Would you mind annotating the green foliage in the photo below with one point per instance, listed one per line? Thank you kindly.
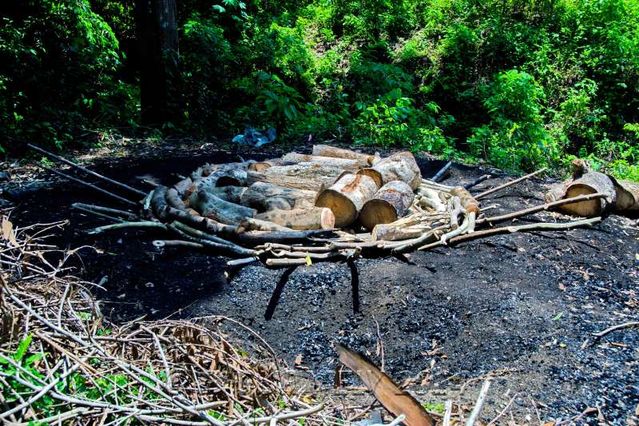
(520, 84)
(515, 138)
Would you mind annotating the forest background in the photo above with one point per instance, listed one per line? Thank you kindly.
(519, 84)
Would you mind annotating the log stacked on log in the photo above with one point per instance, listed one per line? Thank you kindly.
(272, 212)
(619, 196)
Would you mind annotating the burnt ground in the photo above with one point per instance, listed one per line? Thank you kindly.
(515, 308)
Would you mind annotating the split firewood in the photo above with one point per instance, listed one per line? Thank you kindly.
(365, 160)
(301, 219)
(584, 182)
(400, 166)
(265, 196)
(209, 205)
(391, 396)
(408, 227)
(389, 203)
(308, 176)
(345, 163)
(346, 197)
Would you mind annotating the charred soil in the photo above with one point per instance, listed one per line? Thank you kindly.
(519, 308)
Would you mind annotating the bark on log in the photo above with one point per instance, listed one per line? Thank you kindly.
(388, 204)
(627, 196)
(231, 174)
(401, 166)
(232, 194)
(260, 166)
(344, 163)
(216, 208)
(588, 183)
(347, 197)
(301, 219)
(365, 160)
(308, 176)
(264, 196)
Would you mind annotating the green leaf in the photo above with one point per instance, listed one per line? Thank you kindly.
(22, 348)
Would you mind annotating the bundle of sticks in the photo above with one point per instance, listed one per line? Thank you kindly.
(334, 204)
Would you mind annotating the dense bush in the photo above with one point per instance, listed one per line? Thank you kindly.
(517, 83)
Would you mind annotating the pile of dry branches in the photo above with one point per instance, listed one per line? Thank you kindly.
(60, 361)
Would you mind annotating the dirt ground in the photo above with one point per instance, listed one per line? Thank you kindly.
(519, 309)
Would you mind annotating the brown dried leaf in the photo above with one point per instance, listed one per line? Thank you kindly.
(7, 231)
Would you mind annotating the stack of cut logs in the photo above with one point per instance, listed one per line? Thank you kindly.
(298, 195)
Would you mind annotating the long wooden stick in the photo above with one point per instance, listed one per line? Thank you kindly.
(440, 174)
(90, 185)
(512, 229)
(616, 327)
(128, 225)
(541, 207)
(507, 184)
(479, 404)
(84, 169)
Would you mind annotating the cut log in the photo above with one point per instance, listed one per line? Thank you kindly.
(308, 176)
(232, 194)
(346, 197)
(365, 160)
(265, 196)
(588, 183)
(467, 201)
(401, 166)
(344, 163)
(388, 204)
(252, 224)
(260, 166)
(301, 219)
(208, 205)
(627, 196)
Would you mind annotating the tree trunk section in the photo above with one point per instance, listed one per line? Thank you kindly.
(365, 160)
(157, 36)
(208, 205)
(347, 197)
(344, 163)
(401, 166)
(301, 219)
(308, 176)
(388, 204)
(264, 196)
(588, 183)
(627, 196)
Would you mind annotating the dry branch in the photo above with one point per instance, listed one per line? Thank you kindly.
(508, 184)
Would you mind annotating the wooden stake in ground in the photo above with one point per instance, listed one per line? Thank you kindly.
(400, 166)
(347, 197)
(301, 219)
(389, 203)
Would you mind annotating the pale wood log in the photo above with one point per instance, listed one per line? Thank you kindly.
(388, 204)
(467, 201)
(400, 166)
(308, 176)
(253, 224)
(588, 183)
(346, 197)
(265, 196)
(331, 151)
(208, 205)
(260, 166)
(301, 219)
(346, 164)
(627, 196)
